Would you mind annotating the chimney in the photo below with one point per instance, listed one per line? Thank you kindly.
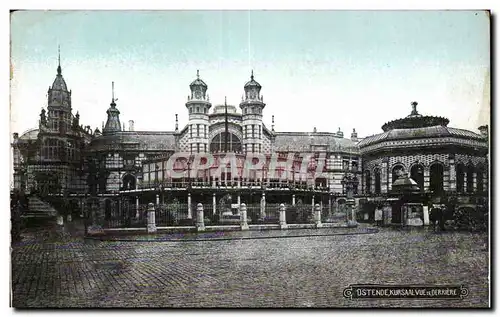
(131, 125)
(483, 130)
(16, 135)
(354, 136)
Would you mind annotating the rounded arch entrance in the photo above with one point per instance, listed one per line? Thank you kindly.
(436, 173)
(218, 143)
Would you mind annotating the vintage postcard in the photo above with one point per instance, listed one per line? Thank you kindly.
(251, 158)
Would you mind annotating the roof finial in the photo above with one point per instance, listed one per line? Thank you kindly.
(198, 73)
(414, 108)
(251, 77)
(272, 126)
(176, 123)
(59, 59)
(225, 101)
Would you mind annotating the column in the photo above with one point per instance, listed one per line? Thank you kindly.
(137, 207)
(312, 204)
(293, 200)
(426, 179)
(453, 174)
(465, 180)
(239, 201)
(157, 199)
(214, 204)
(283, 224)
(474, 181)
(200, 221)
(243, 217)
(329, 206)
(151, 218)
(384, 176)
(317, 216)
(263, 206)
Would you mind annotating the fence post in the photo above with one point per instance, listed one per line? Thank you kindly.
(151, 218)
(243, 217)
(200, 223)
(283, 224)
(317, 216)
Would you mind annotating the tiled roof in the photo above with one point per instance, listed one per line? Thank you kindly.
(145, 140)
(423, 132)
(59, 83)
(302, 141)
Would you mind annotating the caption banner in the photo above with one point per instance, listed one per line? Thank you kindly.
(359, 291)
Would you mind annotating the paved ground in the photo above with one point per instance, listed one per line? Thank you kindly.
(54, 270)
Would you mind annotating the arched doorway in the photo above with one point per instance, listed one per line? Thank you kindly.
(368, 182)
(436, 184)
(128, 182)
(397, 171)
(460, 171)
(480, 178)
(417, 174)
(377, 181)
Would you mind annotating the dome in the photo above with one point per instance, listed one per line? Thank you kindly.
(252, 83)
(222, 109)
(198, 81)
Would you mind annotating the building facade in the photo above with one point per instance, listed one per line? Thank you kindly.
(62, 157)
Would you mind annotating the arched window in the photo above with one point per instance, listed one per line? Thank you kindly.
(480, 178)
(460, 171)
(219, 141)
(436, 177)
(397, 171)
(377, 181)
(368, 182)
(128, 182)
(417, 174)
(470, 178)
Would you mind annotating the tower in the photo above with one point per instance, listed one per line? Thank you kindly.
(198, 106)
(58, 104)
(251, 107)
(113, 122)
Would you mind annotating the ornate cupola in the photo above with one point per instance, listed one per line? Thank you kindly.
(113, 123)
(252, 89)
(198, 88)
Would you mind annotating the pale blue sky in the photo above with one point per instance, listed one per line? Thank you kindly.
(324, 69)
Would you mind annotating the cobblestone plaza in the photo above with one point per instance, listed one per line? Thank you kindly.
(240, 271)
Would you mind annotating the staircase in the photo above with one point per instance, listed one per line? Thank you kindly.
(39, 209)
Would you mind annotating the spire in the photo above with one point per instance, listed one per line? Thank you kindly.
(251, 77)
(272, 125)
(59, 70)
(113, 93)
(176, 123)
(198, 74)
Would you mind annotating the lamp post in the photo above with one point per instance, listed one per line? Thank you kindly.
(190, 216)
(350, 182)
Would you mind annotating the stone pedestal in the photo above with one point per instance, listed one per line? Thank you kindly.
(283, 224)
(200, 221)
(214, 204)
(317, 216)
(351, 213)
(243, 217)
(151, 218)
(426, 215)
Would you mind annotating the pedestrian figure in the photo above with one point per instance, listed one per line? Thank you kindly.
(437, 216)
(378, 216)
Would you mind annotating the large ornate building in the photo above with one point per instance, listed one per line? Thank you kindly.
(63, 157)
